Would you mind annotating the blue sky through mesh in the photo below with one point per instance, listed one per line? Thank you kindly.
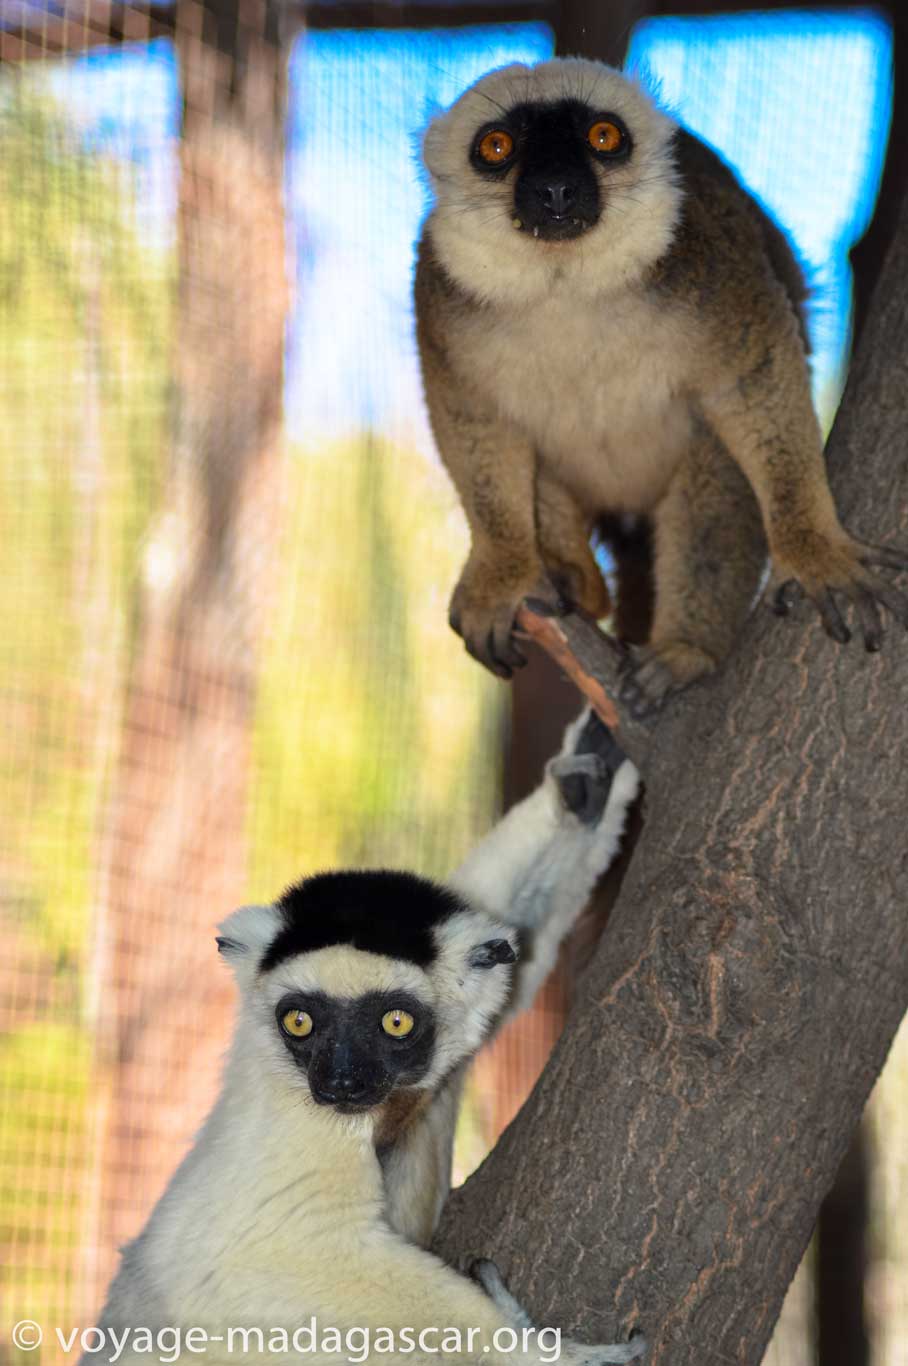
(797, 102)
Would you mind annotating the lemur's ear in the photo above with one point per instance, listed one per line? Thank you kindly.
(247, 933)
(492, 952)
(229, 947)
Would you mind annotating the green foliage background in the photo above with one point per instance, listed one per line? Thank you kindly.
(84, 336)
(366, 725)
(369, 730)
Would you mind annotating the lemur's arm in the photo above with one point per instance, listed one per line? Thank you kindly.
(535, 870)
(386, 1282)
(537, 867)
(426, 1290)
(416, 1172)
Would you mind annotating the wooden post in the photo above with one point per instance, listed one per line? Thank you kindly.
(597, 28)
(174, 858)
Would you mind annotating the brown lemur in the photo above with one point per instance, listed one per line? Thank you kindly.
(608, 323)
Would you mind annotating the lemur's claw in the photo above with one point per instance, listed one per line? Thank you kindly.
(893, 599)
(831, 617)
(484, 608)
(633, 696)
(785, 597)
(540, 608)
(889, 556)
(653, 674)
(845, 573)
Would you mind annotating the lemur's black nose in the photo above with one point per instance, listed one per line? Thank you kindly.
(341, 1090)
(347, 1086)
(341, 1086)
(557, 196)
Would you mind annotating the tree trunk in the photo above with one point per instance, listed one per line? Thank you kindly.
(667, 1171)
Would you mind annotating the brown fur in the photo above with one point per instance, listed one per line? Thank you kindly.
(579, 380)
(396, 1115)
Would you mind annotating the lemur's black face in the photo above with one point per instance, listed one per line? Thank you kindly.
(355, 1053)
(552, 151)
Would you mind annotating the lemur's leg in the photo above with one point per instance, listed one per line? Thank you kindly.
(535, 870)
(378, 1282)
(489, 1277)
(537, 867)
(493, 467)
(564, 529)
(757, 400)
(401, 1286)
(710, 556)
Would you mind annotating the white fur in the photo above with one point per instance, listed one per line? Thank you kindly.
(472, 225)
(281, 1211)
(584, 380)
(539, 866)
(534, 872)
(575, 353)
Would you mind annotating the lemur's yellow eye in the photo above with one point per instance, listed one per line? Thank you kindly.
(605, 136)
(496, 147)
(397, 1023)
(297, 1023)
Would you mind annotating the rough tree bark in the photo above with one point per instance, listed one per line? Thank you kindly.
(668, 1168)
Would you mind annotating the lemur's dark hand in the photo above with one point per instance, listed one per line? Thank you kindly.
(484, 608)
(843, 567)
(651, 673)
(584, 776)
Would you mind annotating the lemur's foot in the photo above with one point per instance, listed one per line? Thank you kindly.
(486, 1273)
(846, 571)
(582, 585)
(653, 672)
(590, 1354)
(585, 772)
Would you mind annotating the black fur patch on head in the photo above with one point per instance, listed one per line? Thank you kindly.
(376, 912)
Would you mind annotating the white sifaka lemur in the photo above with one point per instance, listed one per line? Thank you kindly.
(317, 1179)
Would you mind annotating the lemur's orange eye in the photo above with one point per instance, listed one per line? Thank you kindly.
(496, 147)
(605, 136)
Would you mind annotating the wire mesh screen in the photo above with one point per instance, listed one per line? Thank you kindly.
(227, 549)
(770, 91)
(225, 661)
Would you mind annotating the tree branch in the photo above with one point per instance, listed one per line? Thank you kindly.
(593, 661)
(667, 1170)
